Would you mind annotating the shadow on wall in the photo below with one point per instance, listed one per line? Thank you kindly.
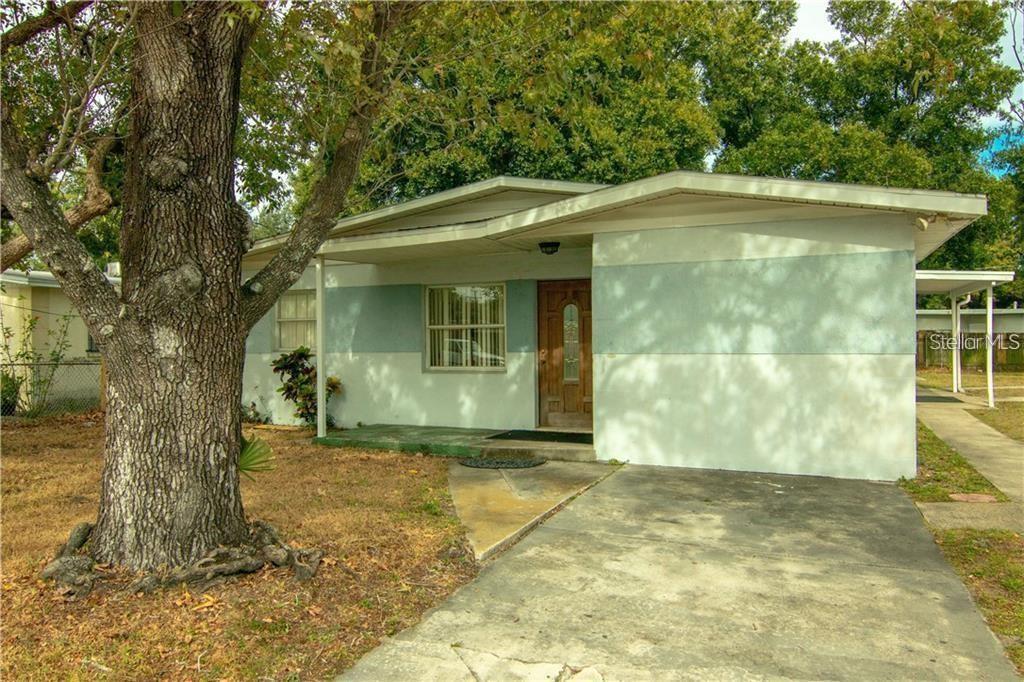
(797, 364)
(850, 417)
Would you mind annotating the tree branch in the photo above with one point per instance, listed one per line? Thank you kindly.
(96, 202)
(30, 28)
(327, 198)
(33, 207)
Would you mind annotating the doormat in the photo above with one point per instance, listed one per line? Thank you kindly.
(501, 462)
(547, 436)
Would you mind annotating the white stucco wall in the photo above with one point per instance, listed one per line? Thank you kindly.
(782, 348)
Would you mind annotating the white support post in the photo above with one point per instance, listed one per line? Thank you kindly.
(321, 353)
(954, 312)
(988, 347)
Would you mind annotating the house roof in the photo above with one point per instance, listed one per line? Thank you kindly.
(487, 199)
(676, 199)
(39, 278)
(959, 282)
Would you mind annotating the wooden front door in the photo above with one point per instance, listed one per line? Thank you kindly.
(563, 353)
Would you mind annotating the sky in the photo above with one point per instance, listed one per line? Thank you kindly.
(812, 22)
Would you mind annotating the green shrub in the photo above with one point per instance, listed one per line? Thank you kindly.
(10, 388)
(298, 384)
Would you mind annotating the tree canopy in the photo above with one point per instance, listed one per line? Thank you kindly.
(600, 92)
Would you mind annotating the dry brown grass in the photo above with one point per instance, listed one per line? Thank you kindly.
(1007, 418)
(394, 549)
(1007, 383)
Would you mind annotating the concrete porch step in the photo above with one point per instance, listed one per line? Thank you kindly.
(453, 442)
(564, 452)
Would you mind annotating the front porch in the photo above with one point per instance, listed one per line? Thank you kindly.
(460, 442)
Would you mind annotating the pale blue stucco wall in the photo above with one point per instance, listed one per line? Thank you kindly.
(374, 344)
(389, 319)
(781, 347)
(760, 348)
(838, 303)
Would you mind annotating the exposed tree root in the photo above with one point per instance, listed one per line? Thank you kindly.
(74, 572)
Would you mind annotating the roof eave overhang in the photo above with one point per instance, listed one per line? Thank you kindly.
(431, 202)
(946, 212)
(956, 210)
(961, 282)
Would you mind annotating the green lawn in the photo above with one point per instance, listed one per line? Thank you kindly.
(1007, 418)
(942, 471)
(991, 564)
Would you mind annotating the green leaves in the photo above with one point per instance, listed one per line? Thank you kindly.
(298, 383)
(604, 92)
(255, 456)
(557, 90)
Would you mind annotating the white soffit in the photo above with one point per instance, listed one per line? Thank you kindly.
(959, 282)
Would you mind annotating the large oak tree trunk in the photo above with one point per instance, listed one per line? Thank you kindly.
(174, 337)
(170, 483)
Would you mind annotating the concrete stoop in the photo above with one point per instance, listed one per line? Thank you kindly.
(560, 452)
(454, 442)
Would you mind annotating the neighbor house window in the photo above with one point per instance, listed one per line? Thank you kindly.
(466, 327)
(296, 320)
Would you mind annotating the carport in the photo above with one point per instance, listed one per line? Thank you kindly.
(960, 286)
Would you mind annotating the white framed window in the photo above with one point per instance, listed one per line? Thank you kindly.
(466, 327)
(296, 319)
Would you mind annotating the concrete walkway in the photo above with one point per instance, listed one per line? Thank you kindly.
(999, 458)
(497, 506)
(664, 573)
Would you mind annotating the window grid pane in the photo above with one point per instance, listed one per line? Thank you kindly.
(296, 320)
(466, 327)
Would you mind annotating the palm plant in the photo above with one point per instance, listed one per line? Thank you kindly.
(256, 455)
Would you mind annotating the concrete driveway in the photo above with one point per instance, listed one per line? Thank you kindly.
(660, 573)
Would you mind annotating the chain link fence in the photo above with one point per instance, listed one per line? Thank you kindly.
(49, 388)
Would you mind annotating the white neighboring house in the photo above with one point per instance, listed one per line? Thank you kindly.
(1004, 320)
(688, 319)
(36, 294)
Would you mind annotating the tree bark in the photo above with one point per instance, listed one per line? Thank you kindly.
(170, 481)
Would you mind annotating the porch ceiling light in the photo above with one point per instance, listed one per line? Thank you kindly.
(549, 248)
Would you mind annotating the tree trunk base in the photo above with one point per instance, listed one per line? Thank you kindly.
(74, 573)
